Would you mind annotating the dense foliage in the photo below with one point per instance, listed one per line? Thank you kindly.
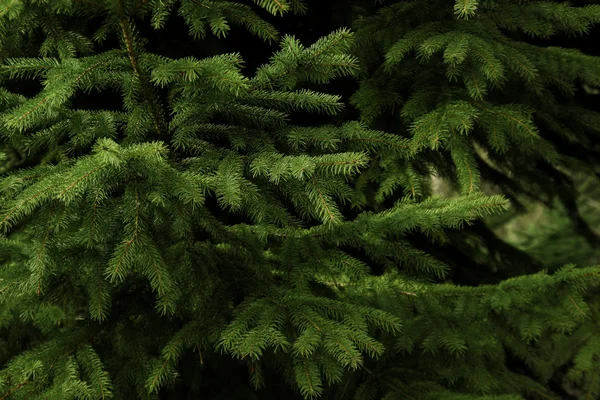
(187, 210)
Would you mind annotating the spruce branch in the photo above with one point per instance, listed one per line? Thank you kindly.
(133, 58)
(105, 61)
(465, 8)
(274, 6)
(61, 195)
(21, 205)
(94, 210)
(38, 256)
(7, 287)
(33, 109)
(14, 389)
(331, 217)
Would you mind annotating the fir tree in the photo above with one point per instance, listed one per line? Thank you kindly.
(195, 239)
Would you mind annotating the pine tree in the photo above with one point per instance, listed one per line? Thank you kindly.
(201, 237)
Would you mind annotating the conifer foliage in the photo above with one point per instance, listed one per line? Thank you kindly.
(195, 240)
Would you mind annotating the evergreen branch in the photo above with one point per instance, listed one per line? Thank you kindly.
(331, 216)
(93, 217)
(100, 291)
(6, 288)
(479, 91)
(39, 104)
(576, 306)
(14, 389)
(128, 38)
(471, 180)
(530, 71)
(199, 354)
(307, 374)
(422, 121)
(465, 8)
(31, 177)
(128, 244)
(60, 219)
(517, 121)
(102, 390)
(374, 349)
(94, 66)
(200, 4)
(12, 68)
(347, 65)
(79, 180)
(4, 11)
(278, 6)
(387, 143)
(343, 36)
(311, 322)
(153, 384)
(137, 213)
(463, 157)
(13, 210)
(356, 361)
(162, 287)
(39, 255)
(92, 364)
(489, 63)
(329, 164)
(496, 205)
